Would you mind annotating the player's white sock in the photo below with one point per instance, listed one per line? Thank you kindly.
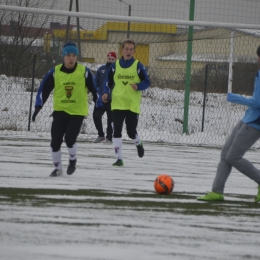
(137, 140)
(73, 152)
(118, 148)
(56, 158)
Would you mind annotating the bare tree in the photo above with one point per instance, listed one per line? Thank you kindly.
(22, 35)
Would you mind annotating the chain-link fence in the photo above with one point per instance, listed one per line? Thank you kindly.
(222, 60)
(210, 117)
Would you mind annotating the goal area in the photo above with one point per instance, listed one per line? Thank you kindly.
(192, 66)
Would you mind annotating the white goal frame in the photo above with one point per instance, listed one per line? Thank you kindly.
(127, 18)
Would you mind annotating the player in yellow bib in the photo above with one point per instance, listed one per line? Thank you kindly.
(70, 83)
(126, 80)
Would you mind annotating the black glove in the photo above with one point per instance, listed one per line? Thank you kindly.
(36, 111)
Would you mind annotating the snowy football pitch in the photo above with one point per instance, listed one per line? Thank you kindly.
(103, 212)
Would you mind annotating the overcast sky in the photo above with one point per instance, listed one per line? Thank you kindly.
(227, 11)
(232, 11)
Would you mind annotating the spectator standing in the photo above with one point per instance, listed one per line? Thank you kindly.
(98, 112)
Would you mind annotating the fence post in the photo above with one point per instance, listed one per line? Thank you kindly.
(32, 88)
(188, 70)
(204, 98)
(230, 80)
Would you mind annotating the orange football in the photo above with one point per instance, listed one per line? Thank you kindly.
(164, 184)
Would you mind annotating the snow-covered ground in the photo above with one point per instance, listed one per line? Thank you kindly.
(102, 212)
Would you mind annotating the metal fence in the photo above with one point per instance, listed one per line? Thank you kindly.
(211, 117)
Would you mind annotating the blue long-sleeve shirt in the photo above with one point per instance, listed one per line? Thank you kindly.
(47, 85)
(141, 71)
(101, 77)
(252, 114)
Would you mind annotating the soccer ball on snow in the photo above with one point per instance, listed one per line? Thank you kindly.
(164, 184)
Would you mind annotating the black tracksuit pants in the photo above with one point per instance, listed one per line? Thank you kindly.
(67, 126)
(97, 118)
(131, 121)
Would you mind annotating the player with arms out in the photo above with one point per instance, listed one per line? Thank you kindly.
(242, 138)
(126, 80)
(70, 83)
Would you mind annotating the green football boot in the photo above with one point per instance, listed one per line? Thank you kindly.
(213, 196)
(257, 198)
(119, 162)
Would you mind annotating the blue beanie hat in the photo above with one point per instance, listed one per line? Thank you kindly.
(70, 47)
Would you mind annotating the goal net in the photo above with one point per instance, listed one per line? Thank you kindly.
(192, 61)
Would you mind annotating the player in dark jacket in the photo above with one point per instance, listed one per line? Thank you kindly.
(98, 112)
(70, 83)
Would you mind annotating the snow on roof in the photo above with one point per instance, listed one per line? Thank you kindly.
(35, 42)
(206, 57)
(253, 32)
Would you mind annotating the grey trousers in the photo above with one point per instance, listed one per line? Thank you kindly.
(239, 142)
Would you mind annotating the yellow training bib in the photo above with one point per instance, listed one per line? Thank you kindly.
(70, 93)
(124, 97)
